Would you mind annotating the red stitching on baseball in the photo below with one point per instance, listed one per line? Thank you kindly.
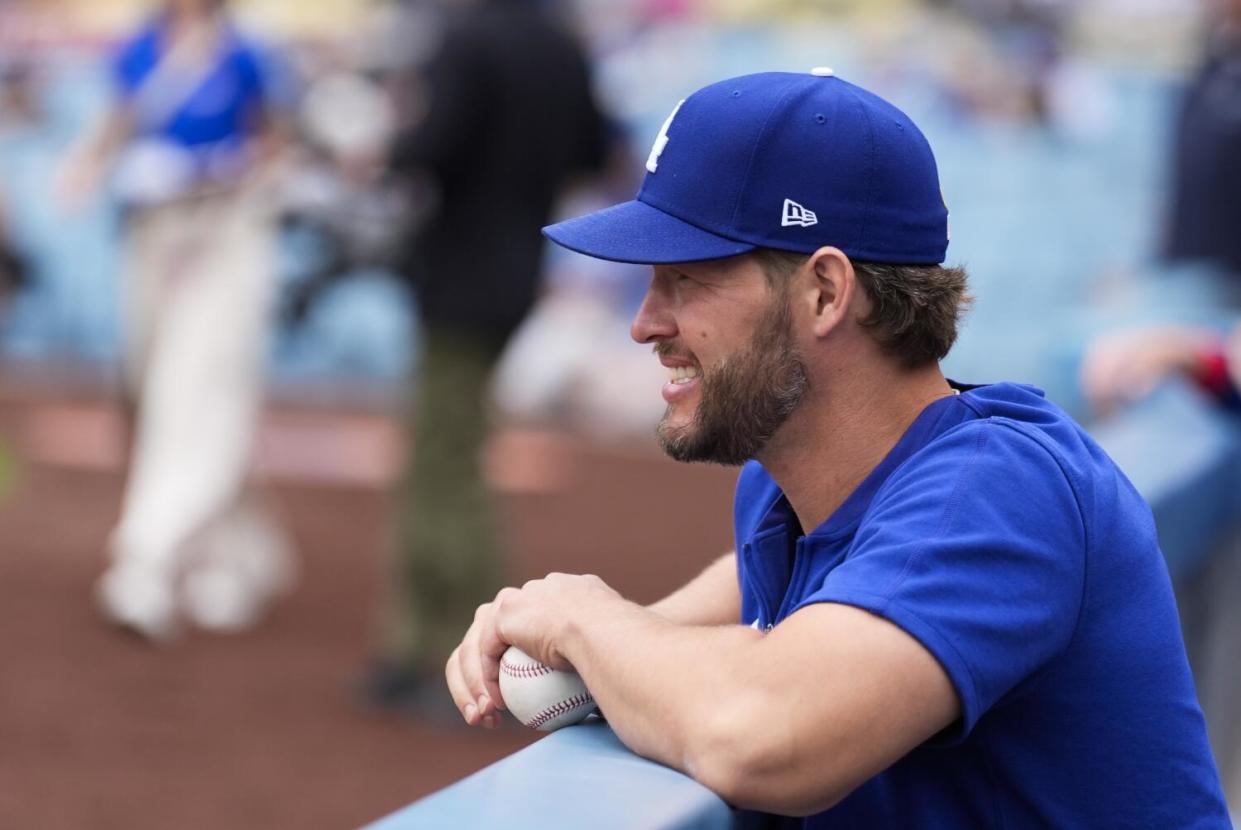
(560, 708)
(524, 669)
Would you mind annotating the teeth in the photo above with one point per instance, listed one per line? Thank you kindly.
(683, 374)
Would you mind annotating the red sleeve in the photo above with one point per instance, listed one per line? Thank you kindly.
(1211, 374)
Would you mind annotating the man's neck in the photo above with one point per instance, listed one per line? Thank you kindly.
(840, 434)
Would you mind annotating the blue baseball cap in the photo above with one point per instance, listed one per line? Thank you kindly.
(777, 160)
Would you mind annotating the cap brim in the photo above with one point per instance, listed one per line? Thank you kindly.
(636, 232)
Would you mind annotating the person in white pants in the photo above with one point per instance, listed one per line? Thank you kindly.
(187, 138)
(197, 310)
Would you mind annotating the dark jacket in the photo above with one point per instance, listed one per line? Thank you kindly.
(1205, 215)
(510, 120)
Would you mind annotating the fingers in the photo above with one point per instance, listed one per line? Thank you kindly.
(491, 649)
(460, 691)
(472, 657)
(464, 675)
(473, 669)
(531, 616)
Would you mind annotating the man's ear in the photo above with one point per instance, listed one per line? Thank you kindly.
(829, 285)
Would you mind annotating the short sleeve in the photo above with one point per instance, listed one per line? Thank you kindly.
(976, 547)
(133, 60)
(250, 71)
(264, 75)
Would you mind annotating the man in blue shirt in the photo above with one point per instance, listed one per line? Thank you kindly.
(947, 607)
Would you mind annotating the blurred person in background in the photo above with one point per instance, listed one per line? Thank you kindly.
(189, 142)
(1128, 366)
(14, 267)
(342, 194)
(509, 119)
(1204, 215)
(14, 276)
(19, 109)
(1029, 35)
(1205, 204)
(19, 93)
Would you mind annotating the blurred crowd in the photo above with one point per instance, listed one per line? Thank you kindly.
(1044, 85)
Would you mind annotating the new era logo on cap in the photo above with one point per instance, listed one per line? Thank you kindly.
(795, 214)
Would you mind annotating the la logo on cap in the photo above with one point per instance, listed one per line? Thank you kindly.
(795, 214)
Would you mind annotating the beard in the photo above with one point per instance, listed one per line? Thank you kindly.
(744, 400)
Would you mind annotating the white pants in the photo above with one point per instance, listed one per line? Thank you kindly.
(198, 289)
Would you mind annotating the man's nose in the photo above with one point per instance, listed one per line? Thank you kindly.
(654, 321)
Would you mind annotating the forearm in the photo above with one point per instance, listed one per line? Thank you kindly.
(662, 685)
(82, 168)
(102, 139)
(787, 722)
(711, 598)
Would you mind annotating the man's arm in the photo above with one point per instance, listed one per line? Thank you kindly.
(711, 598)
(788, 722)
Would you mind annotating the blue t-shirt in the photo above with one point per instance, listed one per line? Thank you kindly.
(1003, 539)
(211, 109)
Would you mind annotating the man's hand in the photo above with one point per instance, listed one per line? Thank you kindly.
(535, 618)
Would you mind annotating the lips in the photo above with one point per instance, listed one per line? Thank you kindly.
(683, 379)
(683, 373)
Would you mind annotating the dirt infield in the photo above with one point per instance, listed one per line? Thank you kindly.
(98, 730)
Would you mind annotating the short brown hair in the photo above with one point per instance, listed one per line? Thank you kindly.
(915, 309)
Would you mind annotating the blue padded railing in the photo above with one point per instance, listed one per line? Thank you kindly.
(579, 777)
(1180, 453)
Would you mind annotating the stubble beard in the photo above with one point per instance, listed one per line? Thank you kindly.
(744, 400)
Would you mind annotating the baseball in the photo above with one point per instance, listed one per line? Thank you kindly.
(539, 696)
